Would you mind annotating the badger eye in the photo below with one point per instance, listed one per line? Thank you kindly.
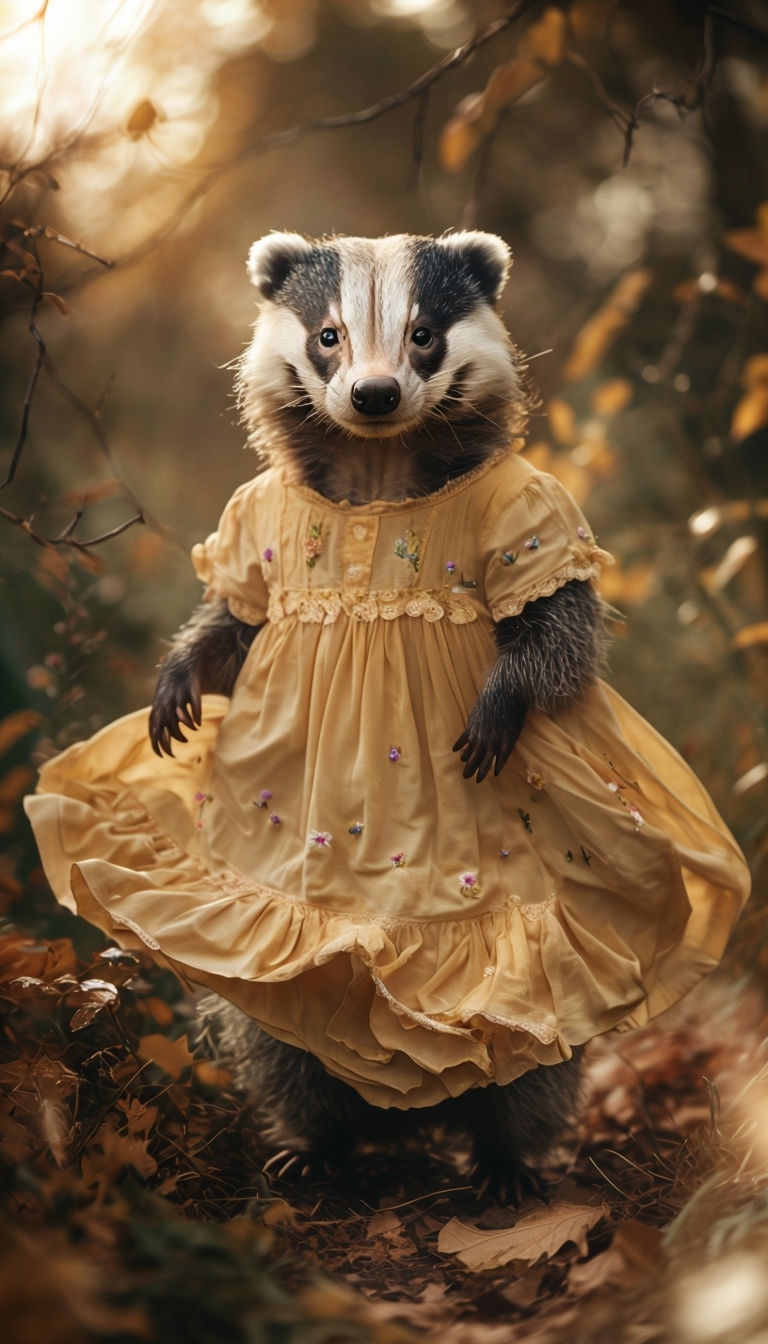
(329, 336)
(421, 336)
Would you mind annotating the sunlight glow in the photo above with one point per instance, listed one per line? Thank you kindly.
(93, 91)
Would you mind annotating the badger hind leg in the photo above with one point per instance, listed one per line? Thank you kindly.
(311, 1119)
(514, 1127)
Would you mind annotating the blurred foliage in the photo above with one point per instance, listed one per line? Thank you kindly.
(620, 146)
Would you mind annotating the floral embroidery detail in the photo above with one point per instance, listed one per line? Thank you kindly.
(633, 811)
(468, 884)
(356, 828)
(268, 554)
(532, 544)
(509, 557)
(488, 971)
(320, 840)
(583, 534)
(274, 819)
(534, 778)
(450, 566)
(569, 855)
(201, 799)
(398, 860)
(395, 753)
(263, 798)
(503, 853)
(313, 544)
(409, 548)
(525, 817)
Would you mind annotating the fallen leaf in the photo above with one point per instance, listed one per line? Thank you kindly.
(539, 1234)
(172, 1056)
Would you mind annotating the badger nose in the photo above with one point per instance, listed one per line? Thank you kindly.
(375, 396)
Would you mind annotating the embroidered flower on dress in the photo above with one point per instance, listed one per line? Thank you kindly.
(268, 554)
(534, 778)
(398, 860)
(201, 799)
(263, 798)
(468, 884)
(320, 840)
(525, 817)
(356, 828)
(313, 544)
(503, 853)
(583, 534)
(409, 548)
(636, 816)
(450, 566)
(395, 753)
(274, 819)
(509, 557)
(532, 544)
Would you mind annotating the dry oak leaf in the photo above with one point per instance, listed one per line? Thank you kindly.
(535, 1236)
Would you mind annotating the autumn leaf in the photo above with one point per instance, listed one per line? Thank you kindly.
(543, 45)
(15, 726)
(536, 1235)
(599, 333)
(171, 1056)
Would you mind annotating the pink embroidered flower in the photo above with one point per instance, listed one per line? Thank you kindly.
(398, 860)
(268, 555)
(532, 544)
(534, 778)
(636, 816)
(263, 798)
(274, 819)
(395, 753)
(469, 884)
(313, 544)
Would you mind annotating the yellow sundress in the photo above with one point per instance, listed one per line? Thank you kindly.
(314, 854)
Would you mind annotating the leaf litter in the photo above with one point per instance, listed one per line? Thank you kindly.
(133, 1185)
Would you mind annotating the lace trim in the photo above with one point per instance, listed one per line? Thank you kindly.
(512, 606)
(324, 606)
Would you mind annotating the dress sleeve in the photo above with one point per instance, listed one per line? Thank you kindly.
(536, 543)
(229, 562)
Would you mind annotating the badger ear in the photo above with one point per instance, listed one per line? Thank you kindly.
(272, 258)
(486, 257)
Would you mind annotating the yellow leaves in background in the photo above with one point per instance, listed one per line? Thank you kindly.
(751, 411)
(542, 46)
(598, 334)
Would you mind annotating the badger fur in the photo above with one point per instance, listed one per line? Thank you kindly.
(379, 369)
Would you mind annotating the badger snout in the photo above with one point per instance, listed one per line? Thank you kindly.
(376, 396)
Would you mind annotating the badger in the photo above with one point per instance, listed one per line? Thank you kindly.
(381, 370)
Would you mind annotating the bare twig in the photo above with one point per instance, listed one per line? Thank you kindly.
(66, 538)
(31, 385)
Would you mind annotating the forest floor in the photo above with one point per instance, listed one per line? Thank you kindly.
(136, 1207)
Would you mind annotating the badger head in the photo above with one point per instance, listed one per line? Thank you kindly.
(394, 341)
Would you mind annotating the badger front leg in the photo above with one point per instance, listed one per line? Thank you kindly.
(206, 657)
(548, 655)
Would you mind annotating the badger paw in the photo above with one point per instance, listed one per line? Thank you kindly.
(492, 730)
(176, 702)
